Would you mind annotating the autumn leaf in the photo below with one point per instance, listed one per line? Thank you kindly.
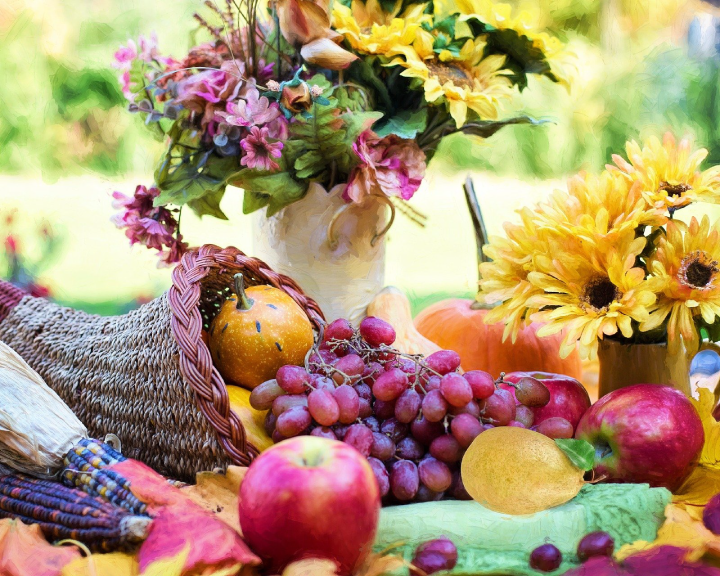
(218, 493)
(379, 564)
(24, 551)
(710, 456)
(115, 564)
(311, 567)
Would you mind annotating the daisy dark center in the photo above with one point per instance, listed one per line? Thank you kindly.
(698, 270)
(674, 189)
(599, 293)
(451, 73)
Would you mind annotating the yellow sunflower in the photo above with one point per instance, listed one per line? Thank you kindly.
(598, 208)
(467, 82)
(589, 292)
(371, 30)
(687, 262)
(504, 280)
(669, 172)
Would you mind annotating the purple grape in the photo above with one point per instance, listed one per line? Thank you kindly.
(340, 430)
(283, 403)
(263, 396)
(434, 474)
(443, 361)
(424, 494)
(442, 545)
(434, 556)
(293, 379)
(457, 488)
(595, 544)
(381, 475)
(455, 389)
(364, 391)
(482, 384)
(351, 365)
(465, 428)
(365, 409)
(320, 382)
(410, 449)
(339, 329)
(270, 420)
(377, 332)
(404, 480)
(407, 406)
(371, 372)
(446, 449)
(432, 383)
(524, 415)
(323, 407)
(359, 437)
(545, 558)
(383, 448)
(471, 408)
(425, 431)
(293, 421)
(498, 409)
(556, 427)
(372, 423)
(394, 429)
(531, 392)
(711, 514)
(384, 410)
(348, 403)
(390, 385)
(516, 424)
(434, 406)
(324, 432)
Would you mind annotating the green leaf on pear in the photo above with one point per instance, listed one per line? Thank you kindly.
(580, 452)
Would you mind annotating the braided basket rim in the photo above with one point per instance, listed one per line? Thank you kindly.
(186, 322)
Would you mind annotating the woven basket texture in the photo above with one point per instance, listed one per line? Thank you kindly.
(147, 376)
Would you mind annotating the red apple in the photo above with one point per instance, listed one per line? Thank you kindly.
(646, 433)
(310, 497)
(568, 398)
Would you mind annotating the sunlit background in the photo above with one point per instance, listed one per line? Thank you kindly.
(66, 141)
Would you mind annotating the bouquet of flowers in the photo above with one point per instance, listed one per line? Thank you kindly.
(296, 92)
(608, 257)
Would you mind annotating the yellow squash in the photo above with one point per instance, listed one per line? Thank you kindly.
(253, 420)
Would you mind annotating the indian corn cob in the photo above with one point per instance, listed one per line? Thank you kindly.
(86, 468)
(68, 513)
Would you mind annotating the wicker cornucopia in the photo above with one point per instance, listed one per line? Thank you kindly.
(147, 376)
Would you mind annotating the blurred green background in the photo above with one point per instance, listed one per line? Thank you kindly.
(66, 141)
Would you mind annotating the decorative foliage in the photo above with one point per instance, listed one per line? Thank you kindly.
(281, 99)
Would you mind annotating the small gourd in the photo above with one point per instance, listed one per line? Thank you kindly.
(257, 331)
(393, 306)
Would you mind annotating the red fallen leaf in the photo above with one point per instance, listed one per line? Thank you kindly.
(601, 566)
(25, 552)
(666, 561)
(212, 543)
(179, 524)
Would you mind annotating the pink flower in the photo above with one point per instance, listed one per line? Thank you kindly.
(255, 110)
(125, 55)
(259, 152)
(207, 92)
(153, 226)
(392, 166)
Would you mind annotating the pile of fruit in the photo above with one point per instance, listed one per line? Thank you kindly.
(413, 417)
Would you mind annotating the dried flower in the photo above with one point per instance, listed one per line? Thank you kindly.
(392, 166)
(296, 98)
(273, 86)
(144, 223)
(255, 110)
(259, 151)
(316, 90)
(208, 92)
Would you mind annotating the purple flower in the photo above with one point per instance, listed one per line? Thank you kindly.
(125, 55)
(251, 109)
(259, 152)
(207, 92)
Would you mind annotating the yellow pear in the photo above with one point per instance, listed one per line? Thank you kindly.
(518, 471)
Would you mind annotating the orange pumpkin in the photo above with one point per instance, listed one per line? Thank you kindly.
(459, 324)
(257, 331)
(455, 325)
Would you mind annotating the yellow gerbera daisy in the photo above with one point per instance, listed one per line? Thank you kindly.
(589, 292)
(669, 172)
(504, 280)
(477, 84)
(371, 30)
(598, 208)
(687, 261)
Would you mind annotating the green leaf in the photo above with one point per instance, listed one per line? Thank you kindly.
(580, 452)
(209, 205)
(358, 122)
(486, 128)
(407, 124)
(193, 177)
(272, 189)
(324, 83)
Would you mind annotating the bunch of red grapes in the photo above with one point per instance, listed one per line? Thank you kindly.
(411, 416)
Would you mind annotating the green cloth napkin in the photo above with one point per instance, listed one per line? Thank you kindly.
(490, 543)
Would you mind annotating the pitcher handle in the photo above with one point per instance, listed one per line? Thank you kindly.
(333, 240)
(715, 348)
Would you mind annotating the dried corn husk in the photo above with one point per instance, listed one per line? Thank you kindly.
(36, 427)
